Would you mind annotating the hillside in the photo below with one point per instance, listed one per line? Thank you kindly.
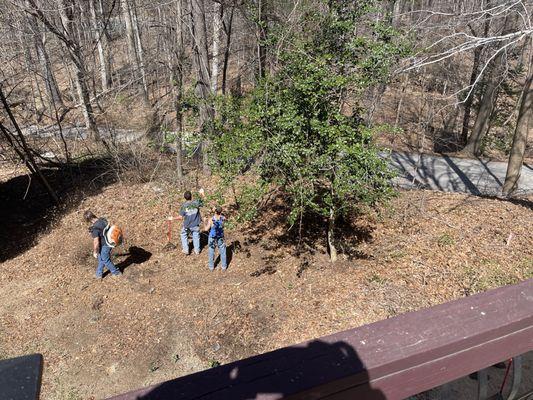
(168, 315)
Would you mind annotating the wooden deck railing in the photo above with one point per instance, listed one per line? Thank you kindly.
(389, 359)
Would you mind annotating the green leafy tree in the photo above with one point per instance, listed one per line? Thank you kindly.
(301, 129)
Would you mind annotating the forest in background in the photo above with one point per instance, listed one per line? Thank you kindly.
(300, 93)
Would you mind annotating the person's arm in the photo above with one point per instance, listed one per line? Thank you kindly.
(202, 198)
(208, 224)
(96, 247)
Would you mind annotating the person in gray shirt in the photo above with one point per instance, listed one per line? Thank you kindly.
(190, 214)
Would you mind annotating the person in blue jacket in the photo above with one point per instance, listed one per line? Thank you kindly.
(215, 227)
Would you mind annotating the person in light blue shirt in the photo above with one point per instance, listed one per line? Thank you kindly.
(190, 214)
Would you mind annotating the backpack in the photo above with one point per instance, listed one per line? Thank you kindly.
(113, 235)
(217, 229)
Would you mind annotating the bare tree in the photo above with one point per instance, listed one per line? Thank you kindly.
(486, 107)
(203, 79)
(523, 127)
(227, 25)
(19, 145)
(39, 38)
(66, 33)
(135, 49)
(218, 11)
(102, 45)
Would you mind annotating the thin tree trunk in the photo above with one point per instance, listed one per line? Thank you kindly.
(76, 55)
(523, 126)
(217, 25)
(227, 31)
(50, 82)
(263, 31)
(140, 51)
(132, 53)
(488, 100)
(473, 76)
(101, 44)
(490, 95)
(470, 99)
(331, 236)
(135, 51)
(201, 63)
(177, 84)
(396, 11)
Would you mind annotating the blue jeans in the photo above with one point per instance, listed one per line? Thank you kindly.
(104, 260)
(221, 249)
(195, 239)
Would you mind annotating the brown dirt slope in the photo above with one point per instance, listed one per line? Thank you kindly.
(169, 316)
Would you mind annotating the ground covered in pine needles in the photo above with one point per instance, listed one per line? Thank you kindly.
(168, 315)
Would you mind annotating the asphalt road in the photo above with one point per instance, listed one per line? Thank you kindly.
(450, 174)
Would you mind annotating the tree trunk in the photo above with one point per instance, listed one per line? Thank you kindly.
(396, 11)
(76, 55)
(486, 107)
(227, 30)
(50, 82)
(140, 52)
(176, 65)
(201, 64)
(470, 99)
(132, 53)
(101, 44)
(523, 126)
(262, 34)
(135, 51)
(217, 25)
(331, 236)
(473, 76)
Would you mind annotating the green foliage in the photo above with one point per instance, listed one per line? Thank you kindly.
(302, 128)
(488, 274)
(445, 240)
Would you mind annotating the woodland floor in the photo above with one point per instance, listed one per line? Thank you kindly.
(168, 315)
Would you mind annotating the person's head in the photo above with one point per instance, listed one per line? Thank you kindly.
(89, 216)
(217, 210)
(187, 195)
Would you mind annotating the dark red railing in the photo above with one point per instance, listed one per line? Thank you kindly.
(389, 359)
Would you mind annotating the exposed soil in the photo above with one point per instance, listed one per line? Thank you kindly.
(168, 315)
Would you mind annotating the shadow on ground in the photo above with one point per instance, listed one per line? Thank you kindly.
(303, 239)
(135, 255)
(27, 209)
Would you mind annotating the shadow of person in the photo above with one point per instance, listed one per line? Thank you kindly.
(136, 255)
(233, 248)
(313, 370)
